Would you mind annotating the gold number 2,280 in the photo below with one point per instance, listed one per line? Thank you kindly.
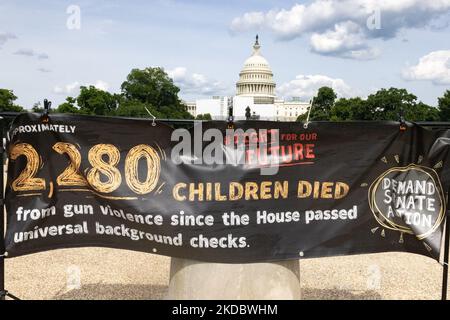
(103, 176)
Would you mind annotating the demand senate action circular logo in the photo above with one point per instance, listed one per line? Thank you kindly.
(408, 199)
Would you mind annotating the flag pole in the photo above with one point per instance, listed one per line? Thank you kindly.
(446, 250)
(2, 217)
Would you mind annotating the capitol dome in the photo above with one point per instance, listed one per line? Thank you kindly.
(256, 78)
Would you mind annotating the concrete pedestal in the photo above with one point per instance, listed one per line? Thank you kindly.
(192, 280)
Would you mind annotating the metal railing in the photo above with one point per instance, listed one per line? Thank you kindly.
(9, 117)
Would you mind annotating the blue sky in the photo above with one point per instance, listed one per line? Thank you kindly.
(203, 45)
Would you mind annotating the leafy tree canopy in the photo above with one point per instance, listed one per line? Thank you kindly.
(351, 109)
(154, 90)
(205, 116)
(69, 106)
(322, 104)
(136, 109)
(7, 98)
(96, 102)
(444, 106)
(385, 104)
(153, 87)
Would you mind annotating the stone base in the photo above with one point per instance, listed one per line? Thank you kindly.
(192, 280)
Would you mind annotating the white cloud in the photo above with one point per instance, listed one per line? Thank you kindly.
(70, 88)
(5, 36)
(338, 26)
(31, 53)
(434, 67)
(306, 86)
(195, 83)
(346, 41)
(102, 85)
(74, 87)
(177, 73)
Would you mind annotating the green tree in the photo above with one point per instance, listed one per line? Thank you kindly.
(424, 112)
(136, 109)
(322, 104)
(95, 101)
(7, 99)
(205, 116)
(69, 106)
(154, 88)
(37, 108)
(302, 117)
(386, 104)
(444, 106)
(351, 109)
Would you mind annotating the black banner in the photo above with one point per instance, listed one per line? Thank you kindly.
(264, 191)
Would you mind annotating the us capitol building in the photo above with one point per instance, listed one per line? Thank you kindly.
(255, 90)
